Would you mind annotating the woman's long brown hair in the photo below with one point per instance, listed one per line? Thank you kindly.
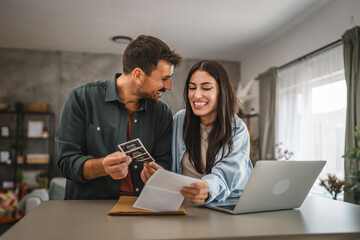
(220, 137)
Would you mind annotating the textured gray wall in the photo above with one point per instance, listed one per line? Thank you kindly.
(48, 76)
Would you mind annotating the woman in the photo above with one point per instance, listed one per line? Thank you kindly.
(209, 140)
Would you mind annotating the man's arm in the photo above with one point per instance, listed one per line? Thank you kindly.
(74, 161)
(162, 147)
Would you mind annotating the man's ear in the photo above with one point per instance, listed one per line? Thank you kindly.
(138, 75)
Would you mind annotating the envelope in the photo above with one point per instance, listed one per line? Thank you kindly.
(125, 207)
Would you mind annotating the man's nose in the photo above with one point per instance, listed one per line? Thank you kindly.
(168, 84)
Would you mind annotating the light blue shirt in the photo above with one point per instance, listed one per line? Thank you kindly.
(229, 176)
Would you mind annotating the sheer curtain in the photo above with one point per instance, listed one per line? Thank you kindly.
(311, 110)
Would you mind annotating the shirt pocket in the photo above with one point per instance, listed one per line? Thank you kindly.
(99, 140)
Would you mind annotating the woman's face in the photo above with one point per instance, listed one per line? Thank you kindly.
(203, 92)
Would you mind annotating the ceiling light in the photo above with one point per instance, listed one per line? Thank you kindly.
(122, 39)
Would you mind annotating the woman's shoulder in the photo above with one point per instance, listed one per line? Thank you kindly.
(180, 115)
(238, 122)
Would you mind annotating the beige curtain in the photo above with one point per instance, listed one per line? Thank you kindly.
(267, 87)
(351, 44)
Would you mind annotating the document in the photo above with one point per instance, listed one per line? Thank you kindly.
(162, 191)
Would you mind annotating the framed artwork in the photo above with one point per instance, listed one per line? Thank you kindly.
(4, 131)
(5, 156)
(35, 129)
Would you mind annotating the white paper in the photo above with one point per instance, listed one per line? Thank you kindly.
(162, 191)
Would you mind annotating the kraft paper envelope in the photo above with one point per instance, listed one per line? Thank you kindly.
(125, 207)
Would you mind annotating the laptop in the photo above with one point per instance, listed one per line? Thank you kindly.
(273, 185)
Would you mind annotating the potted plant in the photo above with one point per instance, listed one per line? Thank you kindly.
(353, 181)
(333, 185)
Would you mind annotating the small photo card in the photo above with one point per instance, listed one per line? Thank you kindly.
(143, 158)
(128, 146)
(136, 150)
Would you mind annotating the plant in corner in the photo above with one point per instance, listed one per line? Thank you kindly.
(353, 180)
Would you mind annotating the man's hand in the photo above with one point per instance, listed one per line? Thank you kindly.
(148, 170)
(197, 192)
(116, 165)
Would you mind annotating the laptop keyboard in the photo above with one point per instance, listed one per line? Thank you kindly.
(228, 207)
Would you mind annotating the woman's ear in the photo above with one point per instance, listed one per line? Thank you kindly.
(138, 75)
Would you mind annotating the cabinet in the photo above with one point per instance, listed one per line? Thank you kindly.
(37, 163)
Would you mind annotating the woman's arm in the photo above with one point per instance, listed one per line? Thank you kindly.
(230, 175)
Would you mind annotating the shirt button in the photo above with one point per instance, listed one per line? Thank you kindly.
(135, 166)
(135, 121)
(98, 128)
(137, 189)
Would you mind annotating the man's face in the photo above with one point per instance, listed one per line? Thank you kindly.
(159, 81)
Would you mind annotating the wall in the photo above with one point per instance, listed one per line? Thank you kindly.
(48, 76)
(325, 27)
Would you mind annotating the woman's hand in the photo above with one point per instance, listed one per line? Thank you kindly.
(149, 169)
(197, 192)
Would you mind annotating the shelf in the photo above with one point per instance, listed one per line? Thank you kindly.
(38, 145)
(28, 113)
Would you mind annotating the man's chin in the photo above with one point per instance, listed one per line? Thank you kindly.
(154, 99)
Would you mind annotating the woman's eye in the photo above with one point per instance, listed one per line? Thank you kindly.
(192, 88)
(206, 89)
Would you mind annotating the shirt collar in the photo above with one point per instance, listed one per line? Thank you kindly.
(111, 93)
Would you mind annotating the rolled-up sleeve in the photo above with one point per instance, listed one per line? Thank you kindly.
(71, 139)
(229, 176)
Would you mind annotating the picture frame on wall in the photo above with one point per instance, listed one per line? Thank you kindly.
(4, 131)
(35, 129)
(5, 156)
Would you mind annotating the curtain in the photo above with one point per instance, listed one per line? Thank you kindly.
(312, 109)
(267, 88)
(351, 42)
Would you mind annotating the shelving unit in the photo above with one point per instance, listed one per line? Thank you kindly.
(35, 145)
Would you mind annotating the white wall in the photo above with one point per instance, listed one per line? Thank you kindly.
(326, 26)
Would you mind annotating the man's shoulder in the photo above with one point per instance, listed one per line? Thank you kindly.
(90, 85)
(160, 106)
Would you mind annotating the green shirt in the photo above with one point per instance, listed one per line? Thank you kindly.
(93, 122)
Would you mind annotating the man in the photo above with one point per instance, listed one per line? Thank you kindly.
(97, 116)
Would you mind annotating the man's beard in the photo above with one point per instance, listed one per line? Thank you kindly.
(141, 91)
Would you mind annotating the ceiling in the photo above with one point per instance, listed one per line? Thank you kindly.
(221, 29)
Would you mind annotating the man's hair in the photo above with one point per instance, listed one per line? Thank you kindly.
(145, 52)
(220, 137)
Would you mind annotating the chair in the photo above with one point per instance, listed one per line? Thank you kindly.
(56, 191)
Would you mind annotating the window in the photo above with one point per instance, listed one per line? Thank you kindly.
(312, 109)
